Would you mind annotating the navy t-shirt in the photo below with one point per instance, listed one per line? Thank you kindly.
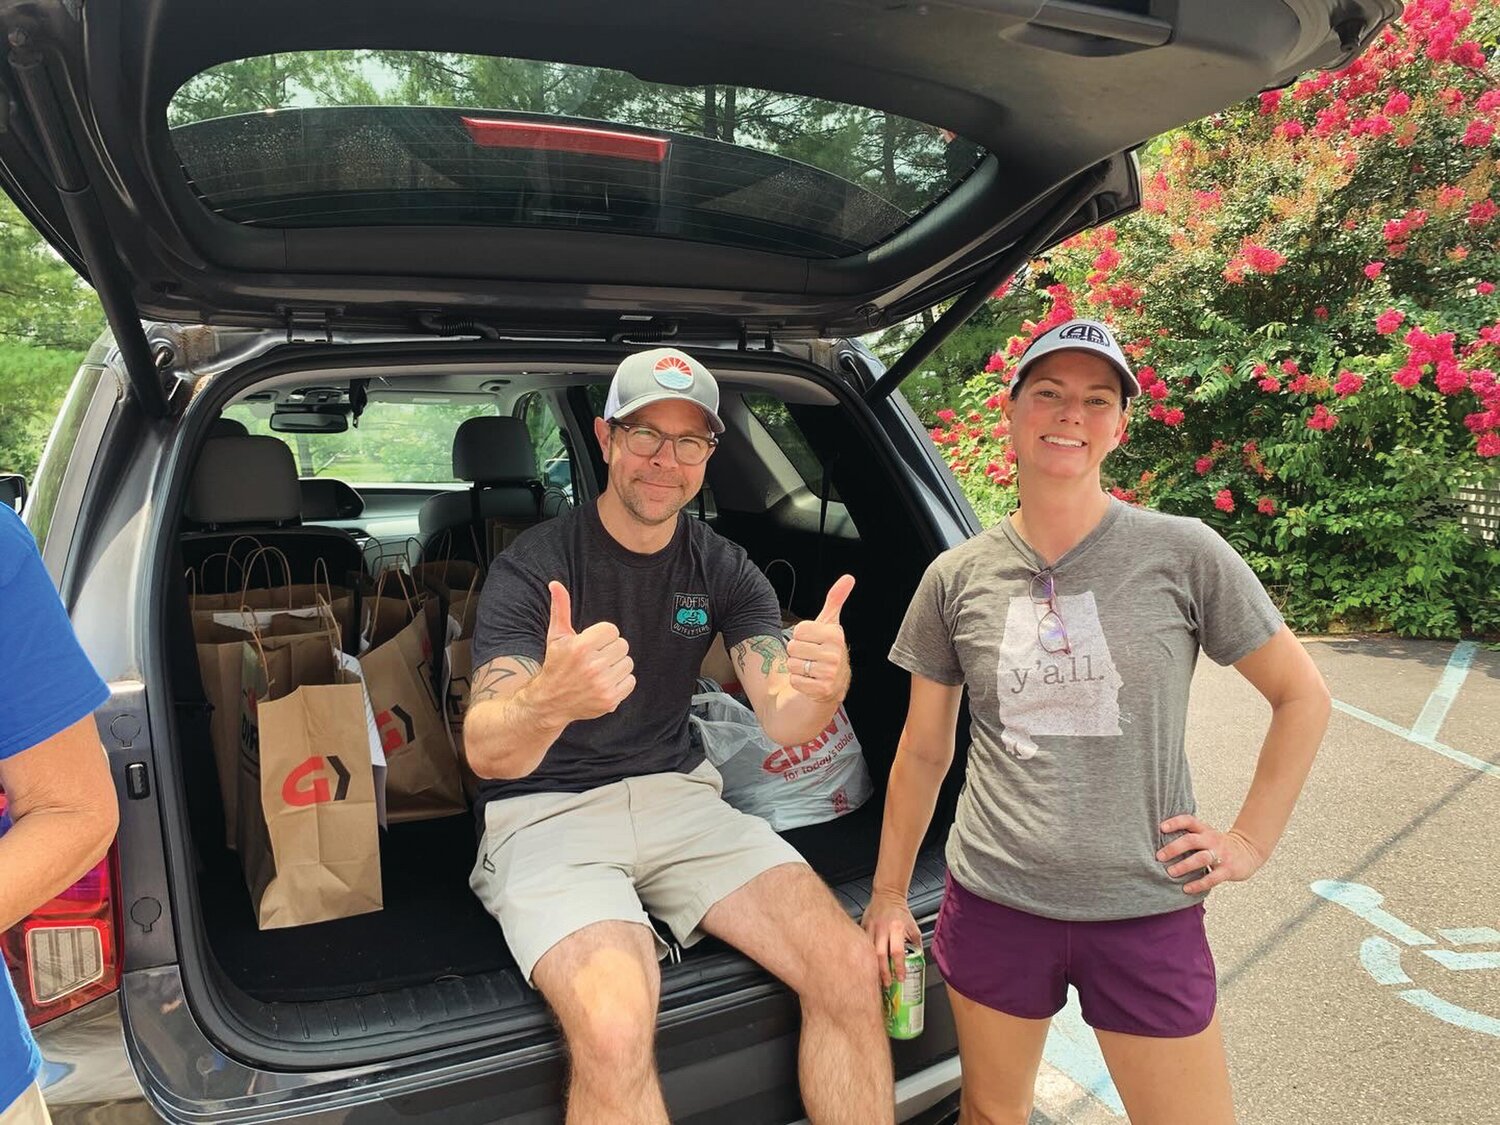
(46, 685)
(667, 605)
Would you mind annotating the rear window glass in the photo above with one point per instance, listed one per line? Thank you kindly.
(373, 138)
(395, 442)
(773, 414)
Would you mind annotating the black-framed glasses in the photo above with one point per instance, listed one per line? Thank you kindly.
(643, 441)
(1051, 633)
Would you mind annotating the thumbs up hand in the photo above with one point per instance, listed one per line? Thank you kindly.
(588, 674)
(817, 656)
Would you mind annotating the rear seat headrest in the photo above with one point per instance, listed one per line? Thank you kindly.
(493, 451)
(227, 427)
(250, 479)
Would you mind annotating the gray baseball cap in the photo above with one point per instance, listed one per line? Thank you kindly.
(1084, 336)
(658, 375)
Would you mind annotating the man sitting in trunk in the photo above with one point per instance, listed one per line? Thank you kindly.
(598, 806)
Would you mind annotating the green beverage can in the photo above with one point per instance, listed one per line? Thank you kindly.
(906, 1001)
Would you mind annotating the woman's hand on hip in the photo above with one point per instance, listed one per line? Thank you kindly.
(1223, 857)
(889, 922)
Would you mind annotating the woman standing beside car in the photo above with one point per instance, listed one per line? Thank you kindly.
(1076, 855)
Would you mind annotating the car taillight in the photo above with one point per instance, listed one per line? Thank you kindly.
(66, 953)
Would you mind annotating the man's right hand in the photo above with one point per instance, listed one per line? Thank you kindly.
(590, 673)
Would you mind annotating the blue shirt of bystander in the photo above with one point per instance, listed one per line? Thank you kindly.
(46, 685)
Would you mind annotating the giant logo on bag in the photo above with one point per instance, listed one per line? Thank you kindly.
(308, 785)
(787, 758)
(396, 728)
(690, 615)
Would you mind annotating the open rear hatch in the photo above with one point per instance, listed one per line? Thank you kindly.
(980, 114)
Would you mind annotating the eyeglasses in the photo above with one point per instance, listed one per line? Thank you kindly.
(643, 441)
(1051, 633)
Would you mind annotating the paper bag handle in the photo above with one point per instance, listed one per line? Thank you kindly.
(791, 593)
(265, 554)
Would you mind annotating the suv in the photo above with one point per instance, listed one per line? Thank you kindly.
(321, 213)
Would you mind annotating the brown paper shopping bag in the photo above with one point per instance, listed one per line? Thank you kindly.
(458, 667)
(457, 678)
(308, 835)
(273, 597)
(220, 664)
(387, 605)
(422, 777)
(457, 583)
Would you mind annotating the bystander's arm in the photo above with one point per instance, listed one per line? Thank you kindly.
(63, 816)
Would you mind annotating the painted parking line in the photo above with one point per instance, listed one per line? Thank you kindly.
(1436, 708)
(1073, 1049)
(1424, 731)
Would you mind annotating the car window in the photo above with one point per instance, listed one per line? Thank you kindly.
(773, 414)
(362, 138)
(554, 455)
(394, 443)
(58, 454)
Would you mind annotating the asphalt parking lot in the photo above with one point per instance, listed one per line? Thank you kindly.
(1359, 972)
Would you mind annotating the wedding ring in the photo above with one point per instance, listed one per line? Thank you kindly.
(807, 669)
(1213, 859)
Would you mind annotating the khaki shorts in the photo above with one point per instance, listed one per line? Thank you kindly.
(552, 863)
(28, 1109)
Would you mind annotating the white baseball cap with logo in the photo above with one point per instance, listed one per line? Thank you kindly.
(657, 376)
(1084, 336)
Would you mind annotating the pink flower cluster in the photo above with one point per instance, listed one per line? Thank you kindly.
(1438, 24)
(1434, 351)
(1168, 416)
(1478, 134)
(1348, 383)
(1252, 258)
(1267, 382)
(1398, 231)
(1321, 419)
(1449, 197)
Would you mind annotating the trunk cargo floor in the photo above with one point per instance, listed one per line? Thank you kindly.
(432, 926)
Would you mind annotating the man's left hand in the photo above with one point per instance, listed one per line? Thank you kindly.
(816, 656)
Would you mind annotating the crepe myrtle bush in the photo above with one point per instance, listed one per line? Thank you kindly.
(1309, 293)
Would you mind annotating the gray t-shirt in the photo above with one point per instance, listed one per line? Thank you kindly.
(1076, 759)
(667, 605)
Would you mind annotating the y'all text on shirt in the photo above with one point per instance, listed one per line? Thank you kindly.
(1062, 673)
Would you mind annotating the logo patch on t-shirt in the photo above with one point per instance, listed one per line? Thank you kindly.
(690, 615)
(1042, 692)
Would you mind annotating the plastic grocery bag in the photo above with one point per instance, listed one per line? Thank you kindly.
(788, 786)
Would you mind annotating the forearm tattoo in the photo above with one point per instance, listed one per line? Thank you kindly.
(490, 678)
(771, 650)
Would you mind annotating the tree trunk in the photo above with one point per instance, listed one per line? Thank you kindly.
(710, 112)
(888, 154)
(727, 129)
(304, 457)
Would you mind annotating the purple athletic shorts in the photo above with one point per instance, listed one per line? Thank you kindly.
(1140, 976)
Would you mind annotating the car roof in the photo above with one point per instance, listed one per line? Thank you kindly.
(1048, 90)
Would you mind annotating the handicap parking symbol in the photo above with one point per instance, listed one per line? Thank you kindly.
(1380, 956)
